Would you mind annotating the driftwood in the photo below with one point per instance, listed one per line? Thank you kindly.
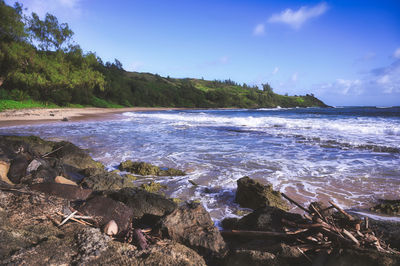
(321, 231)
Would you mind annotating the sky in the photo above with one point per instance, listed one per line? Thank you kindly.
(344, 52)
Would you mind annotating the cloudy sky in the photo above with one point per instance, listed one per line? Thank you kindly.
(345, 52)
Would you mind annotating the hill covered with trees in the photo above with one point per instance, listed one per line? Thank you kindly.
(39, 63)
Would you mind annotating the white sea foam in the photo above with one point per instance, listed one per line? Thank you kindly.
(311, 156)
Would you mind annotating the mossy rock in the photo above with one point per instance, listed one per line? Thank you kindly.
(130, 177)
(147, 169)
(252, 194)
(104, 180)
(153, 187)
(389, 207)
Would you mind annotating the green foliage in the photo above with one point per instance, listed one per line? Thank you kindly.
(60, 73)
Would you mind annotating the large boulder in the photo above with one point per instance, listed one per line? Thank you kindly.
(267, 219)
(252, 194)
(146, 206)
(103, 180)
(191, 225)
(146, 169)
(106, 209)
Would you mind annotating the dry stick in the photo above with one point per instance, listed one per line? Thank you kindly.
(140, 239)
(68, 217)
(351, 218)
(76, 220)
(347, 233)
(295, 203)
(302, 252)
(317, 212)
(366, 222)
(245, 233)
(47, 154)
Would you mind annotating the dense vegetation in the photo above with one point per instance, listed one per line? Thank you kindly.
(40, 64)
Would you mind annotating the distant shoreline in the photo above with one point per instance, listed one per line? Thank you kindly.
(43, 115)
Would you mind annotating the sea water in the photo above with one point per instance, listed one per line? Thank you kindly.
(350, 155)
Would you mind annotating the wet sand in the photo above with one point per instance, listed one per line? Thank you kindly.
(40, 116)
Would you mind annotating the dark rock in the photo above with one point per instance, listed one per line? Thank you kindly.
(64, 119)
(361, 257)
(146, 169)
(390, 207)
(69, 192)
(229, 223)
(191, 225)
(11, 146)
(388, 230)
(146, 205)
(18, 168)
(106, 209)
(267, 219)
(105, 181)
(74, 156)
(252, 194)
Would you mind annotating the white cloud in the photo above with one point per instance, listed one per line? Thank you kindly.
(396, 53)
(259, 30)
(275, 71)
(297, 18)
(375, 84)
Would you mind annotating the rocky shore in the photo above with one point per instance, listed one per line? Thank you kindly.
(59, 206)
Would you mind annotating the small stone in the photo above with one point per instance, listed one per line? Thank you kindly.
(111, 228)
(64, 119)
(33, 166)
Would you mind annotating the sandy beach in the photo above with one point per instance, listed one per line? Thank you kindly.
(40, 115)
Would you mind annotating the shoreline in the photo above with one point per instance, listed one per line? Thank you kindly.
(18, 117)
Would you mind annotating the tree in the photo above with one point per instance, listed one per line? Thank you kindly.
(267, 88)
(49, 33)
(12, 27)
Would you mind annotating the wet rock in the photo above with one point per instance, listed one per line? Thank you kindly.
(14, 145)
(146, 169)
(70, 192)
(191, 225)
(91, 243)
(267, 219)
(229, 223)
(106, 209)
(105, 181)
(388, 231)
(72, 155)
(252, 194)
(390, 207)
(145, 205)
(152, 187)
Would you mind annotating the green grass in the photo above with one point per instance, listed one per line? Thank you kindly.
(97, 102)
(11, 104)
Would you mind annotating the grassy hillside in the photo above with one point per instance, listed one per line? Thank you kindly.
(40, 66)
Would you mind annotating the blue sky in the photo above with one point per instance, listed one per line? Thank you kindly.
(345, 52)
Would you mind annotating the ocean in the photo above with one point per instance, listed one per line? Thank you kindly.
(350, 155)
